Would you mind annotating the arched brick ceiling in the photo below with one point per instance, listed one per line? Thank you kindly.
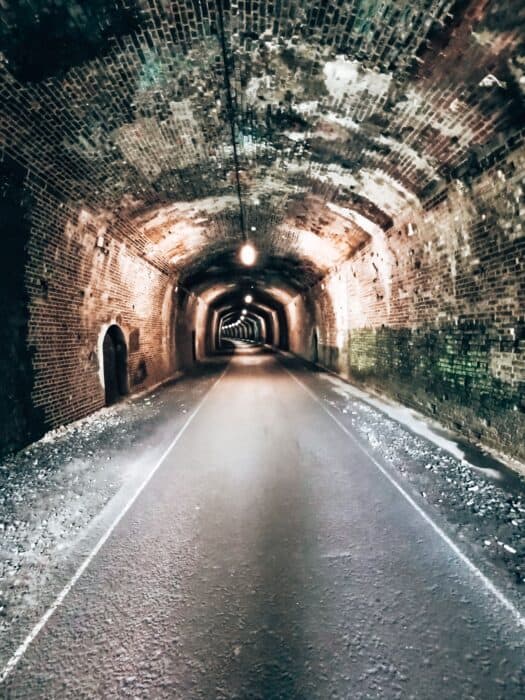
(343, 115)
(233, 292)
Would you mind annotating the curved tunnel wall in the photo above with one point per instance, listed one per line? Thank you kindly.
(20, 420)
(265, 318)
(435, 316)
(361, 190)
(252, 323)
(432, 314)
(274, 316)
(79, 278)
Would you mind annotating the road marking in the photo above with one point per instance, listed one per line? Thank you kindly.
(503, 600)
(19, 653)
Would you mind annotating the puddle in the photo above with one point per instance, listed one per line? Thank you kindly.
(466, 453)
(492, 468)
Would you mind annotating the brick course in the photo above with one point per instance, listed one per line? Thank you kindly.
(80, 280)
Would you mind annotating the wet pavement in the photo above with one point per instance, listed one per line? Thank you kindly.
(58, 495)
(477, 498)
(270, 555)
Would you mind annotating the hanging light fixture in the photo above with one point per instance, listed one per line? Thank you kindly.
(248, 299)
(248, 254)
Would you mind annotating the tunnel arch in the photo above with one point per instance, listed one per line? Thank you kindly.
(231, 320)
(228, 316)
(270, 309)
(376, 169)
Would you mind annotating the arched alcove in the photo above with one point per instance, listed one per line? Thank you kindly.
(115, 361)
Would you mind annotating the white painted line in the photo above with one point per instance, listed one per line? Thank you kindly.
(19, 653)
(502, 599)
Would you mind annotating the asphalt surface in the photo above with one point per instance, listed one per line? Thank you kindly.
(269, 557)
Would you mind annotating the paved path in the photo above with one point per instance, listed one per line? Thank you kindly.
(269, 557)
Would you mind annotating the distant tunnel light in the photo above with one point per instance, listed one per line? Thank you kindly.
(248, 254)
(248, 299)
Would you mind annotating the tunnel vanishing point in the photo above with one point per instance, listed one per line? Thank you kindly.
(336, 184)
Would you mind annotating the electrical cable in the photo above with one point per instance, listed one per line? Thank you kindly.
(231, 115)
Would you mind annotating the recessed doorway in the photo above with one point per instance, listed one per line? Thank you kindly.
(115, 358)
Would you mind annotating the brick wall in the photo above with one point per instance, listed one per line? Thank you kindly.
(69, 274)
(19, 421)
(82, 277)
(433, 311)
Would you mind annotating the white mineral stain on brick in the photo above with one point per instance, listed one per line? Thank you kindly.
(502, 365)
(382, 254)
(345, 122)
(312, 247)
(162, 216)
(344, 78)
(252, 90)
(308, 107)
(411, 157)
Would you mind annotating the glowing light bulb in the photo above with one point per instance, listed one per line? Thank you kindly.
(248, 254)
(248, 299)
(244, 312)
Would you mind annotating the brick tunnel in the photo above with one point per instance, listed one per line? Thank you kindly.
(316, 207)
